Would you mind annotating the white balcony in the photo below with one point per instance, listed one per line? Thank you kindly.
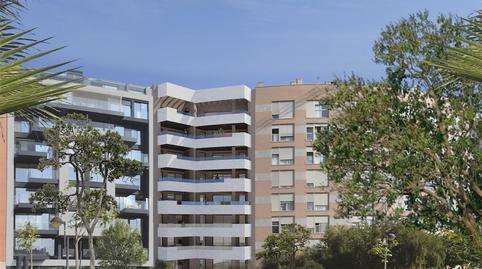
(215, 230)
(206, 163)
(204, 95)
(207, 185)
(203, 208)
(172, 115)
(204, 252)
(196, 142)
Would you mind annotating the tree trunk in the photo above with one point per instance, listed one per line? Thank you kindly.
(31, 260)
(92, 251)
(76, 246)
(470, 225)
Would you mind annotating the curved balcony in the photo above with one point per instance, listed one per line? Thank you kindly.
(215, 230)
(172, 115)
(203, 208)
(204, 163)
(205, 185)
(204, 252)
(196, 142)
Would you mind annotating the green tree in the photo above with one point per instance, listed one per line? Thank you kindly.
(412, 142)
(21, 87)
(364, 247)
(26, 237)
(281, 249)
(311, 264)
(78, 144)
(120, 247)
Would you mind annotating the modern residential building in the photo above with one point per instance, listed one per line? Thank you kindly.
(289, 185)
(224, 168)
(204, 149)
(123, 108)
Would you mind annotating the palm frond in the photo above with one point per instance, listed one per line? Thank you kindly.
(24, 90)
(465, 61)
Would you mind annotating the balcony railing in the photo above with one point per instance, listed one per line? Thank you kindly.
(201, 114)
(190, 180)
(129, 203)
(196, 136)
(227, 157)
(214, 203)
(101, 83)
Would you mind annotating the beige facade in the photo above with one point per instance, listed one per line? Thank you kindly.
(289, 186)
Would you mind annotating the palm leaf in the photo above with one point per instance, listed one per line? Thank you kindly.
(465, 61)
(24, 90)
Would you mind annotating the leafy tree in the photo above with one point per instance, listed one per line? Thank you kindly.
(281, 249)
(411, 143)
(311, 264)
(459, 251)
(120, 247)
(88, 151)
(362, 247)
(27, 236)
(20, 87)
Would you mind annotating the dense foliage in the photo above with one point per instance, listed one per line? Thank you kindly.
(280, 250)
(352, 247)
(412, 142)
(120, 247)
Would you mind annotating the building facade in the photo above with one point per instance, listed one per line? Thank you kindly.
(224, 168)
(289, 185)
(109, 106)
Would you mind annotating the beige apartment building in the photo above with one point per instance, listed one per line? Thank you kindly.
(289, 185)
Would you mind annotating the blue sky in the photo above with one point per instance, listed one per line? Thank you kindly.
(209, 43)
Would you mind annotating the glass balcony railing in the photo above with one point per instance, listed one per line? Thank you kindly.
(204, 114)
(190, 180)
(32, 147)
(132, 181)
(227, 157)
(197, 136)
(214, 203)
(27, 174)
(131, 203)
(112, 85)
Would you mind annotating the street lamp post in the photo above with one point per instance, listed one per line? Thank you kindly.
(57, 222)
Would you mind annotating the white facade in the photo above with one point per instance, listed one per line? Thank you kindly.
(205, 182)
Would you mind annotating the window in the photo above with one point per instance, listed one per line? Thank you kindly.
(282, 133)
(316, 178)
(321, 110)
(278, 223)
(282, 202)
(134, 109)
(126, 108)
(317, 201)
(282, 179)
(282, 156)
(22, 196)
(316, 109)
(313, 157)
(275, 134)
(140, 110)
(313, 129)
(317, 224)
(282, 110)
(22, 126)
